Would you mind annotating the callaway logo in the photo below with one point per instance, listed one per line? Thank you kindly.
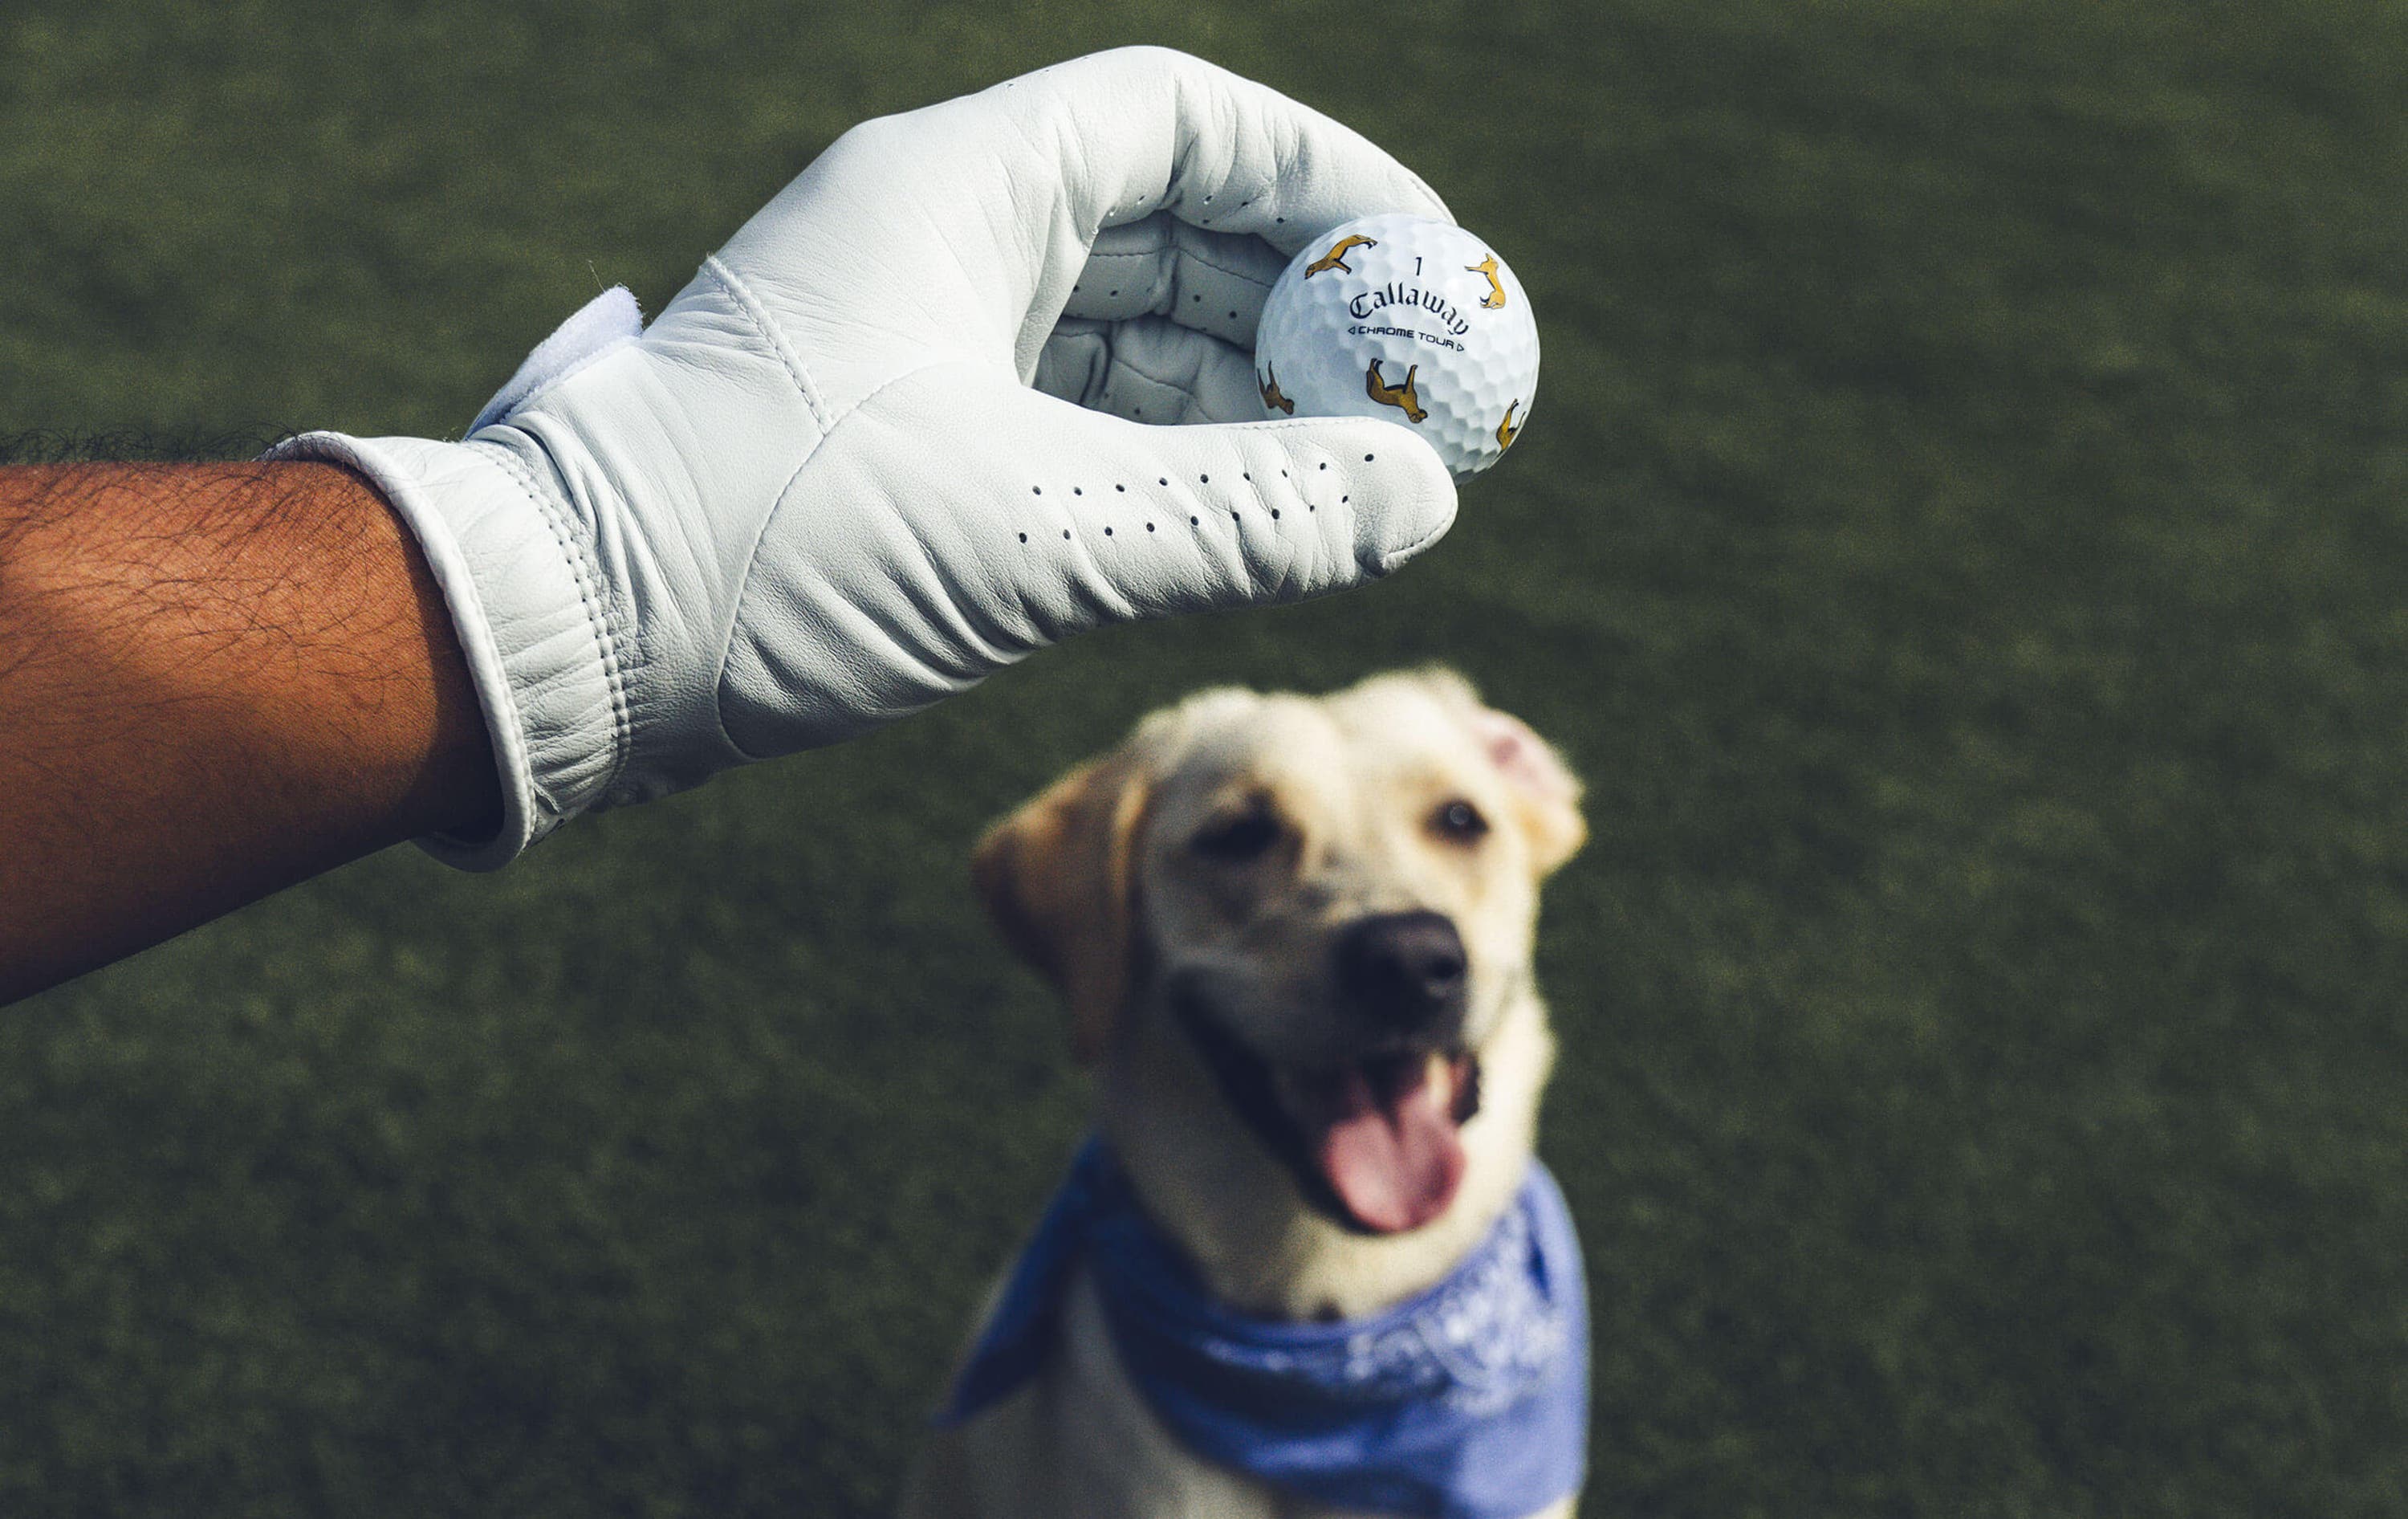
(1336, 257)
(1395, 293)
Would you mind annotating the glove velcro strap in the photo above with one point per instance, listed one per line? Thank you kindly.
(530, 616)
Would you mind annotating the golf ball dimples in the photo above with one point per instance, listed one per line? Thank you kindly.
(1407, 319)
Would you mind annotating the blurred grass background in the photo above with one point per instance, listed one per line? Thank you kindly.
(1960, 541)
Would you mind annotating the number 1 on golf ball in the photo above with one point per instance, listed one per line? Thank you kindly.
(1408, 319)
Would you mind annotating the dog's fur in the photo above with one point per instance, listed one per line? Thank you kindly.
(1109, 883)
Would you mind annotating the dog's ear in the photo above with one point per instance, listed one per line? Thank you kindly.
(1057, 877)
(1546, 795)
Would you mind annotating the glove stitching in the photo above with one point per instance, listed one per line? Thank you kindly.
(578, 555)
(743, 584)
(1186, 390)
(1241, 276)
(752, 555)
(1192, 404)
(761, 534)
(754, 312)
(1115, 365)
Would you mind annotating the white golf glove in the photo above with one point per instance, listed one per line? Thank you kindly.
(819, 492)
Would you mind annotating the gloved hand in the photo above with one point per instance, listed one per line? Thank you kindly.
(818, 493)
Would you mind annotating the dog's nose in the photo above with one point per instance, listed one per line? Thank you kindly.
(1406, 969)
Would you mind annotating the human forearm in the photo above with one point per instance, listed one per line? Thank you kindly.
(215, 681)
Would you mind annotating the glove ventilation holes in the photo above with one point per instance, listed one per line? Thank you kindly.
(1152, 525)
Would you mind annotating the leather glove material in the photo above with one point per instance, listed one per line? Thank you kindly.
(905, 428)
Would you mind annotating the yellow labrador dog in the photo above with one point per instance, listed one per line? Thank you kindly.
(1308, 1266)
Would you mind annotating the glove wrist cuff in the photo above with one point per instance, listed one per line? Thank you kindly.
(531, 617)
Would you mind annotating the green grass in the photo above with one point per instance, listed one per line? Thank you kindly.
(1959, 541)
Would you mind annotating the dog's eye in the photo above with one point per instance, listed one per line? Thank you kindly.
(1236, 840)
(1458, 821)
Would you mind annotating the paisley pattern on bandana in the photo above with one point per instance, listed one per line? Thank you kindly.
(1468, 1401)
(1476, 1342)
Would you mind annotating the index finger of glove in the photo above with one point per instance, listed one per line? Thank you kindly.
(969, 222)
(1140, 130)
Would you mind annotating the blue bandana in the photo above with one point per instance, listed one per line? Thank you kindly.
(1468, 1401)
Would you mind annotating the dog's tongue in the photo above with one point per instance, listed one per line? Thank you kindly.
(1388, 1145)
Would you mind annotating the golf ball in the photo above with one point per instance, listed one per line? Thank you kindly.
(1414, 321)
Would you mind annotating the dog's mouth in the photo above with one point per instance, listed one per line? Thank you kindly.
(1375, 1143)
